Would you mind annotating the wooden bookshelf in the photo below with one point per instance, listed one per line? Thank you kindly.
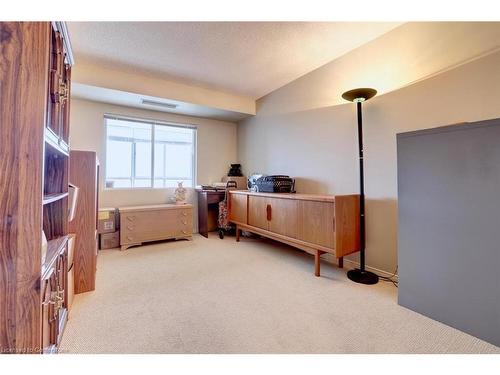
(34, 137)
(55, 191)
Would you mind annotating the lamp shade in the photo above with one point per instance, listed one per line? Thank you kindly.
(361, 94)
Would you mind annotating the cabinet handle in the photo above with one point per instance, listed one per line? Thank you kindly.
(55, 295)
(269, 212)
(56, 299)
(130, 227)
(63, 91)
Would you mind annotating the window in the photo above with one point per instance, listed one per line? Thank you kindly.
(145, 154)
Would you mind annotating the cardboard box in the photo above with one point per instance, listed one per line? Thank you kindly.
(241, 181)
(109, 240)
(107, 220)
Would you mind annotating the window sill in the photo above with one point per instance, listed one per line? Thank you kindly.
(145, 188)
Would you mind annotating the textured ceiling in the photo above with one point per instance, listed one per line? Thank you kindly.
(245, 58)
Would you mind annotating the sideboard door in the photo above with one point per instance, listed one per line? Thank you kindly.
(238, 208)
(317, 223)
(257, 212)
(283, 216)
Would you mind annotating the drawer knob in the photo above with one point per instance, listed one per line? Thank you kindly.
(184, 214)
(130, 238)
(130, 227)
(184, 222)
(184, 232)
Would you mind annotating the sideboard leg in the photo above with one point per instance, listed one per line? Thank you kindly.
(341, 262)
(238, 234)
(317, 263)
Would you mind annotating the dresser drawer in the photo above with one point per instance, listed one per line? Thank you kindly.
(182, 232)
(157, 222)
(150, 225)
(186, 220)
(184, 214)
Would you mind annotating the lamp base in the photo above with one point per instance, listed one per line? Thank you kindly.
(362, 277)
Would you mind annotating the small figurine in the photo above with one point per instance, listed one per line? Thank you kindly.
(180, 194)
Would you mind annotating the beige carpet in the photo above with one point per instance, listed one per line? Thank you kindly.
(219, 296)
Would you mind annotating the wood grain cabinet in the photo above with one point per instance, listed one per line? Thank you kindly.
(317, 224)
(59, 87)
(49, 321)
(54, 293)
(140, 224)
(35, 75)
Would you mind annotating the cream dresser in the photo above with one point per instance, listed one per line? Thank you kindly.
(140, 224)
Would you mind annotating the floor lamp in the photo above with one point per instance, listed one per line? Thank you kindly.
(360, 275)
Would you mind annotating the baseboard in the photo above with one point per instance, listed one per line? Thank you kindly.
(351, 264)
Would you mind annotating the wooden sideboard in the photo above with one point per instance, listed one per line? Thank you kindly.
(317, 224)
(140, 224)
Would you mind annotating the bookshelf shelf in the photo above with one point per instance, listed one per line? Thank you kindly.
(50, 198)
(54, 248)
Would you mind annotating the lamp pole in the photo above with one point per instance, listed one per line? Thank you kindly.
(362, 233)
(360, 275)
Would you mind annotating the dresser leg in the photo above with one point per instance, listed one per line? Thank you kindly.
(238, 234)
(317, 263)
(125, 247)
(341, 262)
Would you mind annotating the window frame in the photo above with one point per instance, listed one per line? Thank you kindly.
(153, 123)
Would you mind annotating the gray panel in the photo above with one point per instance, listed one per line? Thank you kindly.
(449, 230)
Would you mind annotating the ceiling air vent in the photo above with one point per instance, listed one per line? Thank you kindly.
(159, 104)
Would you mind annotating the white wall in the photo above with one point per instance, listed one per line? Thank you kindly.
(216, 148)
(318, 146)
(410, 53)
